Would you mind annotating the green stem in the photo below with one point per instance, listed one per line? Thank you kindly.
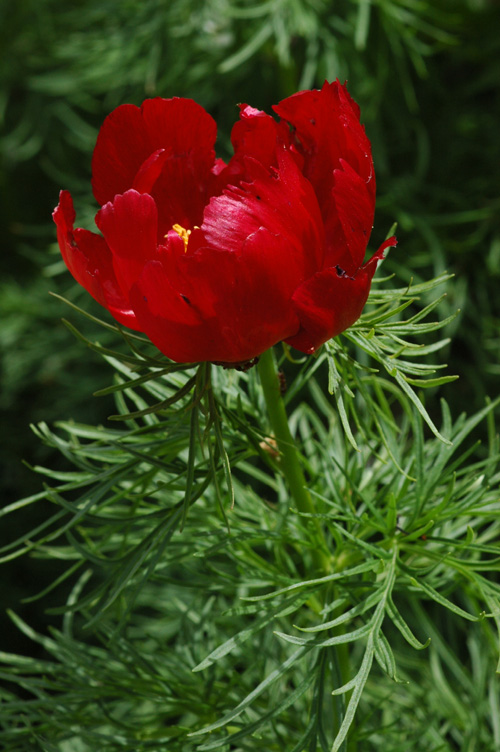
(290, 458)
(292, 470)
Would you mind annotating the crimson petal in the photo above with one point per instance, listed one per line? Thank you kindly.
(150, 170)
(129, 225)
(327, 128)
(256, 134)
(130, 135)
(280, 200)
(214, 305)
(331, 301)
(329, 136)
(355, 210)
(88, 258)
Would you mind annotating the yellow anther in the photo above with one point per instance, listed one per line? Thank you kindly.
(182, 233)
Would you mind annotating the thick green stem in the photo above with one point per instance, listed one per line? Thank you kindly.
(290, 459)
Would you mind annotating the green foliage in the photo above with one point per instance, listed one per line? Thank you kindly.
(195, 624)
(181, 613)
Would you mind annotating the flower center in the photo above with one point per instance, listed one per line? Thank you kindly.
(182, 233)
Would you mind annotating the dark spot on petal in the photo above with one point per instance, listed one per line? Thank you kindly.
(341, 273)
(258, 198)
(145, 299)
(312, 121)
(186, 299)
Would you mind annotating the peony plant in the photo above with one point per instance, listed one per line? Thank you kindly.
(246, 565)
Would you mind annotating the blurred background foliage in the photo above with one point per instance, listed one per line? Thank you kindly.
(425, 73)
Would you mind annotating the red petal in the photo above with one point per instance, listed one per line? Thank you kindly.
(88, 258)
(216, 305)
(129, 225)
(122, 147)
(168, 318)
(327, 127)
(150, 170)
(131, 135)
(355, 208)
(281, 201)
(329, 135)
(330, 302)
(256, 135)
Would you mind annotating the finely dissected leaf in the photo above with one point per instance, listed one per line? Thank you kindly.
(149, 462)
(132, 360)
(335, 388)
(340, 639)
(366, 664)
(405, 386)
(431, 383)
(312, 584)
(439, 598)
(133, 383)
(250, 728)
(242, 636)
(380, 315)
(377, 552)
(403, 627)
(193, 435)
(147, 557)
(391, 366)
(385, 656)
(348, 615)
(357, 686)
(221, 448)
(82, 312)
(384, 344)
(159, 406)
(270, 679)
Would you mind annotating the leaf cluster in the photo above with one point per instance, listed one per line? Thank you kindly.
(195, 624)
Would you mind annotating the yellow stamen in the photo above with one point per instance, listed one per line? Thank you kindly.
(182, 233)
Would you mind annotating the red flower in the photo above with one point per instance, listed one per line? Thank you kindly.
(220, 262)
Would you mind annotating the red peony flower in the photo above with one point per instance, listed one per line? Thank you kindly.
(220, 262)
